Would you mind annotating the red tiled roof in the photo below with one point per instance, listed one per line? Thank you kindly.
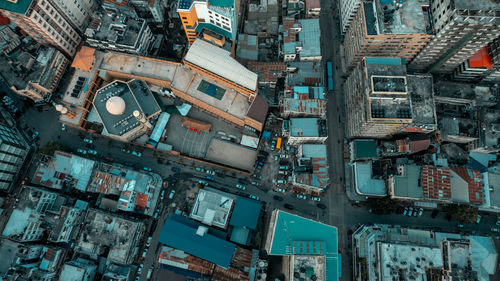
(473, 178)
(419, 145)
(436, 182)
(142, 199)
(267, 71)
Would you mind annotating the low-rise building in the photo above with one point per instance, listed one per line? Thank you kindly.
(306, 130)
(268, 72)
(309, 248)
(313, 8)
(100, 234)
(34, 71)
(304, 73)
(9, 40)
(78, 270)
(248, 47)
(311, 172)
(382, 100)
(300, 39)
(113, 31)
(303, 101)
(212, 208)
(385, 252)
(367, 180)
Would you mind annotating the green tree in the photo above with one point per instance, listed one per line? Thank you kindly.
(462, 213)
(382, 206)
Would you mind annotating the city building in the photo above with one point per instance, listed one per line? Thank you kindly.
(248, 47)
(382, 100)
(304, 73)
(100, 234)
(348, 11)
(494, 55)
(34, 71)
(437, 184)
(78, 270)
(385, 252)
(49, 22)
(313, 8)
(303, 101)
(14, 150)
(27, 223)
(212, 208)
(268, 72)
(461, 29)
(366, 179)
(125, 109)
(262, 19)
(302, 130)
(382, 29)
(244, 220)
(111, 30)
(300, 39)
(474, 68)
(9, 40)
(151, 10)
(309, 248)
(311, 171)
(216, 16)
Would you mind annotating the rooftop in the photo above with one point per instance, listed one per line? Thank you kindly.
(186, 235)
(115, 29)
(84, 58)
(309, 37)
(246, 213)
(105, 232)
(365, 148)
(294, 235)
(116, 103)
(19, 6)
(314, 157)
(305, 127)
(304, 73)
(388, 18)
(211, 57)
(64, 168)
(212, 208)
(268, 72)
(248, 47)
(406, 184)
(365, 183)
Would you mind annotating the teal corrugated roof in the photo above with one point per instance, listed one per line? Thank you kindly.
(246, 213)
(365, 149)
(180, 233)
(291, 230)
(20, 7)
(309, 37)
(304, 127)
(314, 150)
(240, 235)
(385, 61)
(221, 3)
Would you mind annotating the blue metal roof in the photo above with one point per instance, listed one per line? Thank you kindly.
(160, 126)
(304, 127)
(180, 233)
(245, 213)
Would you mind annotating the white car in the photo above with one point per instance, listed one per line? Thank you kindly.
(63, 127)
(93, 152)
(210, 172)
(172, 193)
(87, 140)
(240, 186)
(280, 190)
(314, 198)
(301, 196)
(82, 151)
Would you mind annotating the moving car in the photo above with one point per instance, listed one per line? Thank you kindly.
(278, 189)
(288, 206)
(240, 186)
(210, 178)
(172, 193)
(257, 176)
(314, 198)
(255, 183)
(147, 169)
(138, 154)
(162, 195)
(277, 197)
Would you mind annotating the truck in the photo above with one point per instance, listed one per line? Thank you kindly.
(278, 143)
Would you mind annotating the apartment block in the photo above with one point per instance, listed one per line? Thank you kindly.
(13, 151)
(46, 22)
(348, 11)
(217, 16)
(461, 29)
(387, 30)
(117, 32)
(383, 100)
(150, 10)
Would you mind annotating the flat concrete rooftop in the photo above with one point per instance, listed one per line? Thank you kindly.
(241, 157)
(410, 18)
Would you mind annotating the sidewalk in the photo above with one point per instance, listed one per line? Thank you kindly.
(349, 189)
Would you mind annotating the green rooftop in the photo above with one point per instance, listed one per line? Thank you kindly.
(407, 185)
(20, 7)
(365, 149)
(221, 3)
(300, 236)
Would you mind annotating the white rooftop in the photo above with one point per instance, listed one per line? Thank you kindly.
(220, 62)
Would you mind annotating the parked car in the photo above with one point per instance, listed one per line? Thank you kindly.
(301, 196)
(420, 211)
(138, 154)
(202, 182)
(284, 156)
(162, 194)
(200, 169)
(405, 212)
(148, 242)
(240, 186)
(254, 197)
(144, 253)
(157, 213)
(125, 150)
(280, 190)
(87, 140)
(321, 206)
(314, 198)
(255, 183)
(283, 172)
(93, 152)
(257, 176)
(494, 229)
(285, 167)
(281, 181)
(172, 193)
(275, 157)
(210, 178)
(277, 197)
(288, 206)
(175, 169)
(210, 172)
(147, 169)
(82, 151)
(139, 270)
(478, 220)
(63, 127)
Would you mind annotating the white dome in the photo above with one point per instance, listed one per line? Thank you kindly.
(115, 105)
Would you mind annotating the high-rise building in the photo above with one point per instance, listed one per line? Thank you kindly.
(388, 30)
(52, 22)
(461, 29)
(348, 10)
(13, 151)
(217, 18)
(383, 100)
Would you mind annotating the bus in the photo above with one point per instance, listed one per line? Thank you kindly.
(278, 143)
(329, 72)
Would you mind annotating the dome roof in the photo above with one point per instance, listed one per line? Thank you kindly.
(115, 105)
